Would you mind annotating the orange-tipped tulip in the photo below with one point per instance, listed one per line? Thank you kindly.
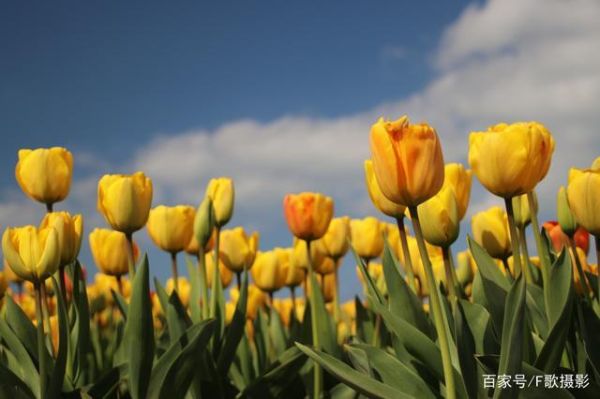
(407, 160)
(308, 214)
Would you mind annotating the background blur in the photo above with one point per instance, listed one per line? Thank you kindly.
(280, 95)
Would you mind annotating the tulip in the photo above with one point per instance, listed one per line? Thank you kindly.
(10, 276)
(45, 174)
(222, 194)
(204, 223)
(335, 240)
(225, 275)
(367, 237)
(238, 250)
(560, 240)
(267, 273)
(380, 201)
(32, 253)
(3, 285)
(294, 275)
(286, 309)
(69, 229)
(327, 286)
(308, 214)
(440, 218)
(182, 287)
(490, 230)
(459, 180)
(510, 160)
(583, 193)
(124, 201)
(566, 220)
(407, 160)
(193, 246)
(171, 228)
(109, 250)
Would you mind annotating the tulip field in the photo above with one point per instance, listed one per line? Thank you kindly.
(516, 314)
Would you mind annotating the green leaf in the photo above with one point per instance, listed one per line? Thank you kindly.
(177, 318)
(277, 333)
(560, 308)
(359, 360)
(58, 373)
(402, 300)
(394, 373)
(364, 321)
(327, 333)
(139, 333)
(372, 289)
(22, 327)
(121, 303)
(511, 352)
(11, 386)
(105, 385)
(80, 344)
(195, 294)
(354, 379)
(465, 344)
(235, 331)
(173, 372)
(280, 378)
(495, 285)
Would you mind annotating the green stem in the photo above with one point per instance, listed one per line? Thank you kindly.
(450, 281)
(408, 268)
(175, 272)
(318, 372)
(514, 239)
(582, 277)
(130, 259)
(541, 247)
(523, 240)
(203, 285)
(597, 242)
(336, 295)
(63, 284)
(293, 296)
(454, 275)
(436, 307)
(216, 277)
(120, 285)
(42, 353)
(46, 314)
(49, 207)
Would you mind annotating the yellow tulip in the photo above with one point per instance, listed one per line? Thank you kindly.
(10, 276)
(407, 160)
(335, 240)
(237, 249)
(437, 265)
(45, 174)
(183, 289)
(583, 193)
(511, 160)
(284, 307)
(226, 275)
(308, 214)
(294, 276)
(459, 179)
(171, 227)
(267, 273)
(124, 201)
(256, 300)
(321, 262)
(380, 201)
(204, 225)
(466, 269)
(327, 286)
(32, 253)
(596, 164)
(565, 217)
(3, 284)
(69, 229)
(413, 250)
(221, 192)
(110, 251)
(490, 230)
(440, 219)
(367, 237)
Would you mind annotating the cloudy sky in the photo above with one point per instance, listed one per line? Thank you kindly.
(281, 96)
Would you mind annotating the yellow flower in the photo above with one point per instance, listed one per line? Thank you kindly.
(124, 201)
(267, 273)
(32, 253)
(459, 179)
(69, 229)
(10, 276)
(237, 250)
(284, 307)
(109, 250)
(367, 237)
(440, 220)
(221, 192)
(415, 256)
(225, 274)
(376, 272)
(308, 214)
(490, 230)
(596, 164)
(327, 286)
(583, 193)
(45, 174)
(466, 268)
(3, 284)
(183, 289)
(171, 227)
(335, 240)
(294, 276)
(380, 201)
(511, 160)
(321, 262)
(407, 160)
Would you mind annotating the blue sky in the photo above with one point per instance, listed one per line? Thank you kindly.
(281, 95)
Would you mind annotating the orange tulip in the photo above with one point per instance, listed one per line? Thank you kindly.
(308, 214)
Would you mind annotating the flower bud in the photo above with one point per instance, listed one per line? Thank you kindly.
(335, 240)
(439, 218)
(204, 222)
(490, 230)
(222, 194)
(565, 217)
(308, 214)
(367, 237)
(237, 249)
